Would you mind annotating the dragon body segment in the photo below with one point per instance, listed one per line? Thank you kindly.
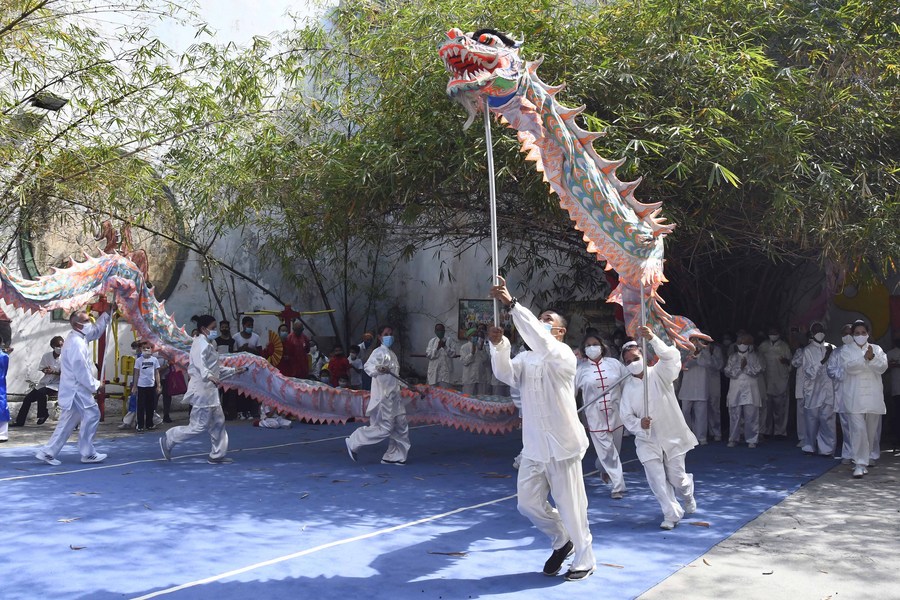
(485, 68)
(114, 274)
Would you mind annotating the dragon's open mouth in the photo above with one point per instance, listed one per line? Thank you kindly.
(466, 64)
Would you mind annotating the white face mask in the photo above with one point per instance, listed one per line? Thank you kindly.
(593, 352)
(774, 338)
(636, 367)
(146, 353)
(860, 339)
(819, 337)
(847, 339)
(743, 347)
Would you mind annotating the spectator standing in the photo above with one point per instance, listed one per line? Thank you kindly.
(440, 352)
(356, 368)
(296, 353)
(247, 341)
(776, 354)
(338, 367)
(743, 369)
(864, 364)
(146, 385)
(6, 317)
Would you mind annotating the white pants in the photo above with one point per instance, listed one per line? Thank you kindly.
(750, 415)
(777, 415)
(563, 479)
(763, 414)
(387, 422)
(801, 420)
(211, 419)
(669, 481)
(820, 430)
(695, 416)
(84, 411)
(846, 447)
(275, 422)
(714, 416)
(863, 432)
(608, 444)
(4, 430)
(875, 449)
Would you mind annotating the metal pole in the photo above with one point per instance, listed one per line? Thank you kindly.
(644, 353)
(495, 260)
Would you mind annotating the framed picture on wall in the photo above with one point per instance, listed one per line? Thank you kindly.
(476, 312)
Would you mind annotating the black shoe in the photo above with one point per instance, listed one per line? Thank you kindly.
(556, 560)
(578, 575)
(167, 420)
(42, 420)
(14, 424)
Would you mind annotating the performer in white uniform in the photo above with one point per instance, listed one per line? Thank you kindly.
(475, 365)
(204, 372)
(386, 409)
(77, 386)
(799, 385)
(661, 436)
(818, 395)
(694, 390)
(776, 355)
(835, 369)
(593, 378)
(553, 439)
(440, 352)
(864, 364)
(714, 412)
(744, 396)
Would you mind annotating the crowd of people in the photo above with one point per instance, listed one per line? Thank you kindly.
(669, 401)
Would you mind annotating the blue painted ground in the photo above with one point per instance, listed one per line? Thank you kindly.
(294, 517)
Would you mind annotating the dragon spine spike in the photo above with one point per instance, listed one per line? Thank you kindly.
(610, 167)
(533, 65)
(568, 114)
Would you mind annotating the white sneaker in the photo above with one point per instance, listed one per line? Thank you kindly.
(93, 458)
(858, 472)
(703, 442)
(616, 495)
(667, 525)
(690, 507)
(731, 444)
(166, 451)
(47, 459)
(751, 445)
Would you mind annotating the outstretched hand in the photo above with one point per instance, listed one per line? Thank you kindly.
(499, 292)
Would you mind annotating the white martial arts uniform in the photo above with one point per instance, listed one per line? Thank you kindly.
(744, 397)
(714, 411)
(475, 369)
(799, 384)
(203, 395)
(863, 398)
(386, 410)
(818, 401)
(835, 369)
(269, 419)
(77, 386)
(777, 375)
(440, 362)
(604, 423)
(553, 439)
(662, 447)
(694, 391)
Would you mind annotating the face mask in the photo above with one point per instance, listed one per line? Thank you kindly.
(548, 327)
(212, 334)
(387, 341)
(248, 330)
(439, 334)
(283, 334)
(636, 367)
(352, 356)
(743, 347)
(819, 337)
(145, 353)
(475, 340)
(860, 339)
(774, 338)
(314, 351)
(847, 339)
(56, 351)
(593, 352)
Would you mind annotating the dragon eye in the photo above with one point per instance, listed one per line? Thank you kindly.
(487, 38)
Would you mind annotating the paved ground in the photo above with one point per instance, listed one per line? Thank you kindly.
(832, 539)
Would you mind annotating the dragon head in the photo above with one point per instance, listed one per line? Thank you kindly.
(485, 63)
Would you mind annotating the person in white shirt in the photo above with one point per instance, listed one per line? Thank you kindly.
(694, 391)
(356, 368)
(77, 386)
(205, 372)
(594, 378)
(48, 385)
(475, 360)
(864, 363)
(799, 385)
(386, 409)
(835, 370)
(440, 352)
(893, 357)
(553, 439)
(270, 419)
(714, 412)
(247, 341)
(776, 354)
(743, 369)
(818, 395)
(146, 385)
(662, 438)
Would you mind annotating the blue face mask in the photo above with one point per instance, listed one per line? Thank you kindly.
(212, 334)
(248, 330)
(387, 341)
(283, 334)
(548, 327)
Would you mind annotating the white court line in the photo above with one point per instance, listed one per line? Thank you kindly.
(281, 559)
(333, 544)
(181, 457)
